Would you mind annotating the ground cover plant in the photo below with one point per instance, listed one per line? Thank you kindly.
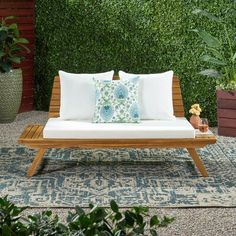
(95, 221)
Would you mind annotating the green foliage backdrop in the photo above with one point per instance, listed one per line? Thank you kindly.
(132, 35)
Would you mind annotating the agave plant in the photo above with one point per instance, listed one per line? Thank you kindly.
(221, 53)
(11, 44)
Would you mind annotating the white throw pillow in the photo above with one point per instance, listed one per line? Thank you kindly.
(155, 95)
(78, 94)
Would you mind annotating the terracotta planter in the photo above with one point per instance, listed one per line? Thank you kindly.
(194, 121)
(226, 113)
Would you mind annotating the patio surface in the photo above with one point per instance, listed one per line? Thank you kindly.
(194, 221)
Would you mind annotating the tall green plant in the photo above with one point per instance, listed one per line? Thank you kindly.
(221, 53)
(11, 44)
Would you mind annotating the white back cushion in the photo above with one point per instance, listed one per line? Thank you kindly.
(78, 94)
(155, 95)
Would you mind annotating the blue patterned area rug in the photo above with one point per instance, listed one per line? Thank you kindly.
(152, 177)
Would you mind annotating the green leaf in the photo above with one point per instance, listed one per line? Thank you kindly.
(2, 54)
(154, 221)
(26, 48)
(234, 56)
(114, 206)
(6, 231)
(210, 73)
(207, 14)
(153, 232)
(129, 219)
(3, 35)
(210, 40)
(104, 233)
(140, 209)
(47, 213)
(216, 53)
(5, 67)
(139, 219)
(10, 17)
(22, 40)
(166, 221)
(13, 26)
(118, 216)
(15, 59)
(212, 60)
(79, 210)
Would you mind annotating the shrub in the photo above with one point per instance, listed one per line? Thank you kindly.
(135, 36)
(96, 221)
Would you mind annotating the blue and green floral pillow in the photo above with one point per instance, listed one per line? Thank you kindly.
(117, 101)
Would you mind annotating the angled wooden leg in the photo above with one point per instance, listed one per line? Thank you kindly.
(36, 162)
(198, 162)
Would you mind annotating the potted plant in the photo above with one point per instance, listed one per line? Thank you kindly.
(221, 55)
(11, 45)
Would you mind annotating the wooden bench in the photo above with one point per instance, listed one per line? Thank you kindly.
(32, 136)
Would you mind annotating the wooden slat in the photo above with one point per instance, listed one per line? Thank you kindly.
(33, 137)
(55, 98)
(40, 132)
(37, 132)
(17, 4)
(26, 131)
(16, 12)
(32, 131)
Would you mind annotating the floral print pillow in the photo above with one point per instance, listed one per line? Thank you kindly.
(117, 101)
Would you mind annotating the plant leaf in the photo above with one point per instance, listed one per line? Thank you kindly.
(26, 48)
(216, 53)
(15, 59)
(79, 210)
(118, 216)
(153, 232)
(210, 73)
(3, 35)
(2, 54)
(6, 230)
(154, 221)
(210, 40)
(22, 40)
(212, 60)
(166, 221)
(207, 14)
(114, 206)
(234, 56)
(10, 17)
(13, 26)
(5, 67)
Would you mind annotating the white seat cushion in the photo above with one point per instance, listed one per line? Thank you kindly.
(68, 129)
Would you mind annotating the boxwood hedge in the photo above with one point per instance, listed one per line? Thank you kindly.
(132, 35)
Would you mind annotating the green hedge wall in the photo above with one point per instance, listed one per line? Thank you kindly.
(132, 35)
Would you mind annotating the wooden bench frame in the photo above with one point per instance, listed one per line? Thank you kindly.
(32, 136)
